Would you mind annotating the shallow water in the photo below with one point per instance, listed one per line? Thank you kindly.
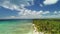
(16, 27)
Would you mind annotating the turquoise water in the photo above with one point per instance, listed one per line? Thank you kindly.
(15, 26)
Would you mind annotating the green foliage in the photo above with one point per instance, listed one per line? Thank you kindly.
(48, 25)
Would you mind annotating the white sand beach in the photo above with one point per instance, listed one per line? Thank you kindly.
(35, 30)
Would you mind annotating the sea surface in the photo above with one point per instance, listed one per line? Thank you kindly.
(16, 26)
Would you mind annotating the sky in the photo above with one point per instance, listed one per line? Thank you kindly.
(29, 9)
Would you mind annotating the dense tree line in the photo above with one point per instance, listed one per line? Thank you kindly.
(50, 26)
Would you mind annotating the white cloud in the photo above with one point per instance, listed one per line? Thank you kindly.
(9, 17)
(32, 14)
(29, 14)
(49, 2)
(41, 5)
(59, 11)
(12, 16)
(24, 13)
(8, 5)
(47, 12)
(55, 12)
(16, 4)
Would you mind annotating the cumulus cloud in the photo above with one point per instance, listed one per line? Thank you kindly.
(59, 11)
(8, 5)
(9, 17)
(23, 12)
(15, 4)
(47, 12)
(12, 16)
(49, 2)
(41, 5)
(32, 14)
(29, 14)
(55, 12)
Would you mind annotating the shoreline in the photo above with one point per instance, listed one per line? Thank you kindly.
(35, 30)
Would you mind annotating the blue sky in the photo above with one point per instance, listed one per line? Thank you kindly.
(29, 9)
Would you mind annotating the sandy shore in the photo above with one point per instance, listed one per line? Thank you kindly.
(35, 30)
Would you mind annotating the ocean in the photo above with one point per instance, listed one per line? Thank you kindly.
(16, 26)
